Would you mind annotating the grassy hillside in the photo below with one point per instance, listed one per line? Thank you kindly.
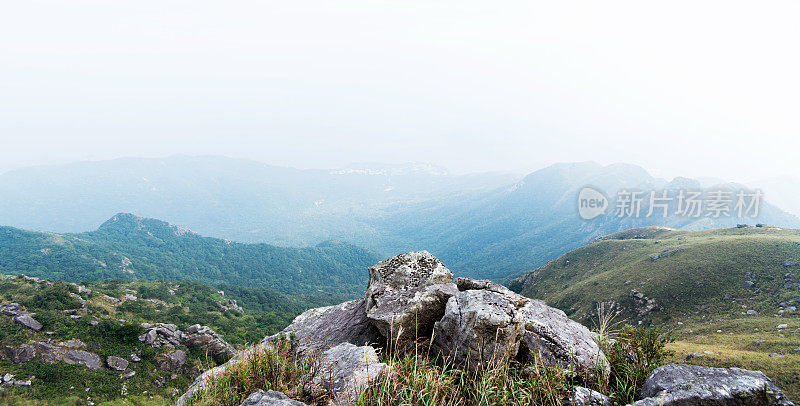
(134, 248)
(109, 324)
(725, 291)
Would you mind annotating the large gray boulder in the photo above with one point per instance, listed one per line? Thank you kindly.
(326, 327)
(560, 341)
(692, 385)
(204, 337)
(480, 329)
(489, 319)
(347, 369)
(406, 295)
(270, 398)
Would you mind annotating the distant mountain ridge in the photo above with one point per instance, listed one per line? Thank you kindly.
(489, 225)
(135, 248)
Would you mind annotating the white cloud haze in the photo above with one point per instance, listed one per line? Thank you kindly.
(681, 88)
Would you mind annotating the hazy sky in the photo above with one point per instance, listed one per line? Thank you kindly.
(697, 88)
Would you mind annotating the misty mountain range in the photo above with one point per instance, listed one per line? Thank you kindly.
(489, 225)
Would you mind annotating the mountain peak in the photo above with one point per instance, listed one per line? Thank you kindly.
(128, 222)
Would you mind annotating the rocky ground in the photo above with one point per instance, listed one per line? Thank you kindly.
(68, 342)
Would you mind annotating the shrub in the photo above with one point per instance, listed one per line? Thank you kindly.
(633, 353)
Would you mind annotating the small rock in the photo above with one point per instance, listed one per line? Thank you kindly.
(270, 398)
(587, 397)
(28, 322)
(116, 363)
(694, 355)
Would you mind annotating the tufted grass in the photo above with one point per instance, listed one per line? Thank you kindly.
(278, 366)
(416, 377)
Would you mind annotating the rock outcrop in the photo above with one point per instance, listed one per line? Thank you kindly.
(692, 385)
(204, 337)
(406, 295)
(326, 327)
(474, 323)
(270, 398)
(160, 334)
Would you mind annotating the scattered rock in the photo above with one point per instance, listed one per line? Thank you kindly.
(644, 304)
(127, 374)
(20, 355)
(406, 295)
(680, 384)
(694, 355)
(748, 284)
(752, 312)
(28, 322)
(787, 264)
(85, 358)
(13, 310)
(270, 398)
(782, 326)
(116, 363)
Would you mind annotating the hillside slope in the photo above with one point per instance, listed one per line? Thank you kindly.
(730, 296)
(134, 248)
(679, 270)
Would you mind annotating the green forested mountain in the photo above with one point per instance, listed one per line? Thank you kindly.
(134, 248)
